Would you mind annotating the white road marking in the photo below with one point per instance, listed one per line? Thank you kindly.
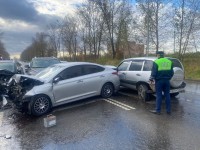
(120, 103)
(109, 101)
(1, 118)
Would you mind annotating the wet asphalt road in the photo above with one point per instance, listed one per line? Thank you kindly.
(96, 123)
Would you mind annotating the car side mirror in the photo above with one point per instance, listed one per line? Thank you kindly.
(56, 80)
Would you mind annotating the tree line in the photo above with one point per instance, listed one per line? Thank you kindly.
(3, 53)
(101, 27)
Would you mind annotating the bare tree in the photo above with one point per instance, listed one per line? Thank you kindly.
(92, 27)
(69, 36)
(186, 23)
(54, 37)
(3, 51)
(156, 21)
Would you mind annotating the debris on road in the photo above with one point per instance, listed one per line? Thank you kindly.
(6, 136)
(50, 121)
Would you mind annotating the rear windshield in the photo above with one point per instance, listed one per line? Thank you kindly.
(176, 63)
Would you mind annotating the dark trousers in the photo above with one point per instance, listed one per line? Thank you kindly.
(163, 85)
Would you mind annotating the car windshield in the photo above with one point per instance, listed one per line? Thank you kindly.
(48, 73)
(7, 66)
(43, 63)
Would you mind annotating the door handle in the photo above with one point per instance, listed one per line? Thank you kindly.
(138, 75)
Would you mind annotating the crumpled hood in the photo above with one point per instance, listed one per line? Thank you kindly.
(6, 73)
(26, 78)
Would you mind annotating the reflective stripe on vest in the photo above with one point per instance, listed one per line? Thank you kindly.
(163, 64)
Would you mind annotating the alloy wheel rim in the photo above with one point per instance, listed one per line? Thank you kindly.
(107, 90)
(41, 105)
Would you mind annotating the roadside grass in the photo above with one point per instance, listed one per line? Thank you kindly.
(192, 68)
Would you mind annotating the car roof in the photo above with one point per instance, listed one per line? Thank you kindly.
(44, 58)
(145, 58)
(7, 61)
(142, 58)
(67, 64)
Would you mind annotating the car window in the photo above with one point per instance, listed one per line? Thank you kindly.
(71, 72)
(89, 69)
(136, 66)
(148, 64)
(123, 66)
(176, 63)
(10, 66)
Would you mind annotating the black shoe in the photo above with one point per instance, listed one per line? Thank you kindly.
(155, 112)
(169, 113)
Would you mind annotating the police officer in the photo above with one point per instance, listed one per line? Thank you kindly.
(162, 72)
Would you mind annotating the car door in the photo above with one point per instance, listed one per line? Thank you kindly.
(70, 85)
(146, 73)
(94, 77)
(134, 73)
(122, 72)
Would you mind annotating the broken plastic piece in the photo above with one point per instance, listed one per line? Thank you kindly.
(8, 137)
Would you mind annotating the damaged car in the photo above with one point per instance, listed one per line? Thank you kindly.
(5, 76)
(59, 84)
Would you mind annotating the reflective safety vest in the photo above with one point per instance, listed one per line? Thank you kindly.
(164, 64)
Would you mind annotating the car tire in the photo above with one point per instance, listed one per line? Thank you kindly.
(107, 90)
(142, 92)
(174, 94)
(40, 105)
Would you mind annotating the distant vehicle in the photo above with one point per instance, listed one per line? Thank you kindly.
(39, 63)
(12, 66)
(61, 83)
(134, 73)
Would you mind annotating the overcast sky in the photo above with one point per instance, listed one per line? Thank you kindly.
(21, 19)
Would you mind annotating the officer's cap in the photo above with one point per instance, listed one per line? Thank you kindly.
(161, 53)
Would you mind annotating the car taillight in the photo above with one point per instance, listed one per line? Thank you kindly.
(115, 73)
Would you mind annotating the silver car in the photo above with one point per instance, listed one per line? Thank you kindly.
(134, 73)
(61, 83)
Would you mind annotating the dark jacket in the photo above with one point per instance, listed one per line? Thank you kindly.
(163, 73)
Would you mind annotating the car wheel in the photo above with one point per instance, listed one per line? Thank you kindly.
(107, 90)
(40, 105)
(142, 92)
(174, 94)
